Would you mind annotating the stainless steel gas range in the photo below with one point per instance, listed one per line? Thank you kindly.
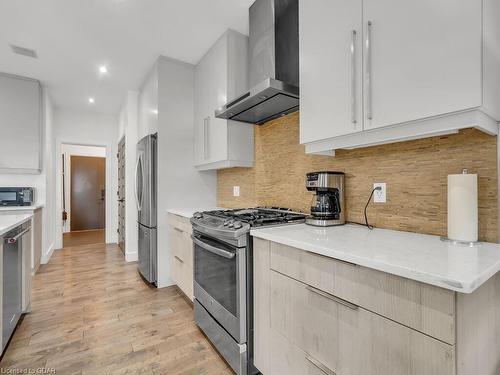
(223, 260)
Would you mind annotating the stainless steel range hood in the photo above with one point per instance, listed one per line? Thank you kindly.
(273, 66)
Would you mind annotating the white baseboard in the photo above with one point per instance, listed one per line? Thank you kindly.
(164, 284)
(131, 257)
(46, 257)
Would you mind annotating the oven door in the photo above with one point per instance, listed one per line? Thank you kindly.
(220, 283)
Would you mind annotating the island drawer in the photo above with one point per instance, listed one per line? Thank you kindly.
(335, 336)
(423, 307)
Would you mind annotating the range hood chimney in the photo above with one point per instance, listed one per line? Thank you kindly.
(273, 66)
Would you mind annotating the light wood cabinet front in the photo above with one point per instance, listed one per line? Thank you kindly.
(423, 307)
(348, 339)
(315, 314)
(181, 253)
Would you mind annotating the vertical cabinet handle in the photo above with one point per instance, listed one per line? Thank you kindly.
(205, 138)
(353, 77)
(369, 109)
(208, 136)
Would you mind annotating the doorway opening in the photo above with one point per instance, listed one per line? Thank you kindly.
(83, 195)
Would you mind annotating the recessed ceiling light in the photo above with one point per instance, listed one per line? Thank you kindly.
(91, 100)
(103, 69)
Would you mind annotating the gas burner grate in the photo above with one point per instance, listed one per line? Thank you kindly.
(261, 216)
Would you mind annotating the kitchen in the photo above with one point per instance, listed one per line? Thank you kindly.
(303, 188)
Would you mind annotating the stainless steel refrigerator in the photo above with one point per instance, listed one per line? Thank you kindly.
(145, 197)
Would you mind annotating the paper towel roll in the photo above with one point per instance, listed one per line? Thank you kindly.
(462, 207)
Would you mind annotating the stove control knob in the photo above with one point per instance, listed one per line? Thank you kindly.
(226, 223)
(198, 215)
(230, 224)
(237, 225)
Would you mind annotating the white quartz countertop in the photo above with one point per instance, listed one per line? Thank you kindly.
(21, 208)
(419, 257)
(188, 212)
(9, 222)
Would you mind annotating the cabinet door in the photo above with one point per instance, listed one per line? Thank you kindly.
(20, 124)
(422, 59)
(201, 88)
(346, 339)
(210, 93)
(330, 37)
(217, 69)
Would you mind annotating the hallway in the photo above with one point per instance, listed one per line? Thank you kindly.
(92, 314)
(85, 237)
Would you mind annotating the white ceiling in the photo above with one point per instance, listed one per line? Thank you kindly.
(74, 37)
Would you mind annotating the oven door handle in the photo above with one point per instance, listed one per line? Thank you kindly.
(213, 249)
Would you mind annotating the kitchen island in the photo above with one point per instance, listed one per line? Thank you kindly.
(15, 271)
(347, 300)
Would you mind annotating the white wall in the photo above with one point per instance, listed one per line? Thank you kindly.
(148, 105)
(128, 128)
(49, 211)
(92, 129)
(75, 150)
(170, 89)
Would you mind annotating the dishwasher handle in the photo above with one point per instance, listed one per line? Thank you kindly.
(12, 240)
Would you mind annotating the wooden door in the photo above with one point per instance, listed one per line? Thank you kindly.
(88, 192)
(330, 38)
(424, 59)
(121, 194)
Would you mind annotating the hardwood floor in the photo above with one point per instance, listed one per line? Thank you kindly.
(85, 237)
(93, 314)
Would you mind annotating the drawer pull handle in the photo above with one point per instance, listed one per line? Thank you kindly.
(178, 230)
(320, 366)
(179, 259)
(332, 297)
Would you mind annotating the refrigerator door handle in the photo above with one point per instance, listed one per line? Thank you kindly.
(139, 161)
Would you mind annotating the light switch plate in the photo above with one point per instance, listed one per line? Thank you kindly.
(236, 191)
(380, 196)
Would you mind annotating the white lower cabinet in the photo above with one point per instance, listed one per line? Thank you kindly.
(181, 253)
(314, 315)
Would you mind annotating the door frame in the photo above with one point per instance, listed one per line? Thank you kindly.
(110, 220)
(124, 141)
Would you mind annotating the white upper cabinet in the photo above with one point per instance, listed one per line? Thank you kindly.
(330, 38)
(20, 125)
(380, 71)
(221, 75)
(423, 59)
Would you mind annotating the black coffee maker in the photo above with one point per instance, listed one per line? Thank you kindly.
(327, 206)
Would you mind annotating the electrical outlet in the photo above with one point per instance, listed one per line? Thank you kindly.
(380, 196)
(236, 191)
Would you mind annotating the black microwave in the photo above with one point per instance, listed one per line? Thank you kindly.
(17, 196)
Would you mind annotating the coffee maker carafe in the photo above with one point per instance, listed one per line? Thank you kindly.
(327, 206)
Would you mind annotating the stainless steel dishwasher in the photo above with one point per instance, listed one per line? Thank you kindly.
(12, 280)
